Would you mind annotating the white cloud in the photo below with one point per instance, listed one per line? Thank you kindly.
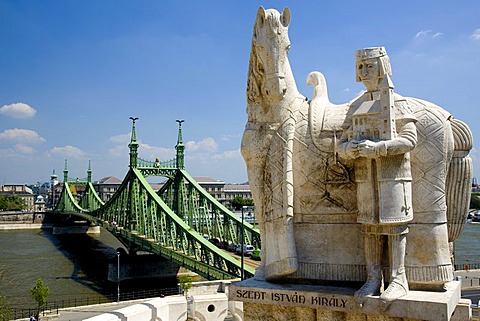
(119, 150)
(428, 34)
(476, 35)
(207, 150)
(145, 151)
(151, 152)
(16, 153)
(206, 145)
(227, 165)
(422, 34)
(66, 151)
(24, 149)
(21, 135)
(18, 110)
(229, 154)
(121, 139)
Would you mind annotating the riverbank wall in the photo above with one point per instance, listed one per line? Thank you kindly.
(23, 221)
(16, 220)
(21, 217)
(24, 226)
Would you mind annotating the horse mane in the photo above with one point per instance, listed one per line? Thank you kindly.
(255, 78)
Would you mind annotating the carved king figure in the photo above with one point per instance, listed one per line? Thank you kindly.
(379, 132)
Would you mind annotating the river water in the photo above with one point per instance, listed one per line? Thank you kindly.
(75, 266)
(72, 266)
(466, 247)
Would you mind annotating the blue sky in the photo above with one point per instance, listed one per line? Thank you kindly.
(73, 72)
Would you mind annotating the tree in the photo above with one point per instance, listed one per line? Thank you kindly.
(475, 201)
(12, 202)
(248, 202)
(5, 311)
(185, 283)
(39, 293)
(238, 202)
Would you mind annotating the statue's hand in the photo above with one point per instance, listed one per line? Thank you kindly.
(351, 149)
(367, 148)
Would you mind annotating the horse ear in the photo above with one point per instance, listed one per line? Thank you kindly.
(261, 15)
(285, 17)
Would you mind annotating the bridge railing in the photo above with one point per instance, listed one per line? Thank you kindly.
(156, 164)
(467, 266)
(52, 307)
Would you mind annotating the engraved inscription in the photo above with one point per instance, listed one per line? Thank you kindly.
(249, 294)
(292, 297)
(329, 302)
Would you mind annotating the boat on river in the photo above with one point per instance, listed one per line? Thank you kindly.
(474, 217)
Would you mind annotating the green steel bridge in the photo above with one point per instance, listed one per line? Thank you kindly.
(175, 222)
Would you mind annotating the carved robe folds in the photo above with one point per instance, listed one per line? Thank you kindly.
(384, 189)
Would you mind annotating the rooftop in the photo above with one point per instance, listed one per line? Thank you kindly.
(109, 180)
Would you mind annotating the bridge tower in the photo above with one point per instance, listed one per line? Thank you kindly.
(65, 172)
(133, 145)
(180, 147)
(180, 197)
(89, 173)
(51, 200)
(65, 183)
(132, 197)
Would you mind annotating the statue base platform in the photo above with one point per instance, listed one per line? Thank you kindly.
(272, 301)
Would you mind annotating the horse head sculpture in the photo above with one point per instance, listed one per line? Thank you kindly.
(271, 33)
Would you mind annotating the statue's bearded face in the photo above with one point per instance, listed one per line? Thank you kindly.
(368, 71)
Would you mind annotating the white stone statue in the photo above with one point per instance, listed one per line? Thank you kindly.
(304, 166)
(379, 132)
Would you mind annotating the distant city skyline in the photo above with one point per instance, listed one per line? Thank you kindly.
(74, 72)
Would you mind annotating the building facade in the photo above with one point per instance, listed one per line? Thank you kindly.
(224, 193)
(106, 187)
(21, 191)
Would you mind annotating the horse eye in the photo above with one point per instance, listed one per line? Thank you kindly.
(288, 48)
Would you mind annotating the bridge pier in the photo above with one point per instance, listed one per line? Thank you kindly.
(77, 227)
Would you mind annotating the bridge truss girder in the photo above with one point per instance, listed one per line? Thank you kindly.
(138, 214)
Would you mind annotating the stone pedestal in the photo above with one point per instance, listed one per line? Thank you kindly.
(270, 301)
